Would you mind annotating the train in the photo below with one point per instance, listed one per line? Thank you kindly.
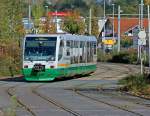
(50, 56)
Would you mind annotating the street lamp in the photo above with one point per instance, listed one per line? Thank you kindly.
(104, 18)
(46, 10)
(48, 3)
(119, 11)
(103, 35)
(56, 21)
(29, 14)
(142, 4)
(90, 25)
(113, 19)
(148, 8)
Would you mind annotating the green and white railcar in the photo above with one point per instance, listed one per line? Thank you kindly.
(46, 57)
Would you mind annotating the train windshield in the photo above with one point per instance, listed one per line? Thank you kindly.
(40, 49)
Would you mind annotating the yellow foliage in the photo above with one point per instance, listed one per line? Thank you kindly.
(74, 23)
(49, 26)
(147, 2)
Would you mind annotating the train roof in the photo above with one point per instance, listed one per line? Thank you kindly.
(66, 36)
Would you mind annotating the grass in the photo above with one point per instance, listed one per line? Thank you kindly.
(11, 111)
(136, 84)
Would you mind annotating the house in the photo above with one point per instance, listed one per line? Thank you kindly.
(128, 26)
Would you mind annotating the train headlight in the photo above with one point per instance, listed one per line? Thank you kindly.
(25, 66)
(52, 66)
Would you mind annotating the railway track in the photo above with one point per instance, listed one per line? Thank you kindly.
(47, 99)
(128, 94)
(23, 105)
(129, 70)
(77, 90)
(62, 106)
(119, 73)
(54, 102)
(104, 102)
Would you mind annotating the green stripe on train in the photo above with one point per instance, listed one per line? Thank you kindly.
(51, 74)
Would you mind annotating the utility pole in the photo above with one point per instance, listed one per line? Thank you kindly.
(142, 13)
(138, 57)
(113, 22)
(29, 14)
(141, 36)
(119, 11)
(104, 18)
(90, 18)
(104, 34)
(56, 23)
(139, 15)
(46, 10)
(149, 33)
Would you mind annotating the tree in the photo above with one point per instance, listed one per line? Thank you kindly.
(95, 27)
(11, 19)
(147, 2)
(128, 6)
(11, 31)
(74, 24)
(49, 25)
(37, 12)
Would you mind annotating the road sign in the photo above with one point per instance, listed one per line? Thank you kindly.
(141, 41)
(142, 34)
(109, 42)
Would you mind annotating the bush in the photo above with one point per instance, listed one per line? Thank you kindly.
(126, 41)
(10, 59)
(101, 57)
(129, 57)
(136, 83)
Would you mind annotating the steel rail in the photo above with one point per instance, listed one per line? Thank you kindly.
(109, 104)
(9, 92)
(54, 102)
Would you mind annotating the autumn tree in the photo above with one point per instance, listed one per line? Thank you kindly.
(147, 2)
(11, 19)
(49, 25)
(74, 23)
(11, 31)
(94, 22)
(37, 12)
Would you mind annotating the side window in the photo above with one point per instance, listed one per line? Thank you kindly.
(75, 52)
(68, 44)
(72, 51)
(85, 52)
(91, 54)
(88, 51)
(94, 48)
(61, 47)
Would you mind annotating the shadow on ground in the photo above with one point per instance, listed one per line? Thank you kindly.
(21, 79)
(13, 79)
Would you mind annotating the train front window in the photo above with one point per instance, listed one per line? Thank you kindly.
(40, 48)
